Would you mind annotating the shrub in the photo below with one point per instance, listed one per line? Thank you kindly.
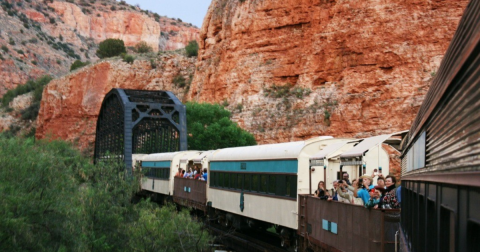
(4, 48)
(20, 52)
(29, 86)
(111, 48)
(143, 47)
(128, 58)
(52, 20)
(179, 81)
(78, 64)
(34, 62)
(11, 41)
(192, 48)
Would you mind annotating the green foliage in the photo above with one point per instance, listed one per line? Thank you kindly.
(34, 62)
(286, 91)
(143, 47)
(192, 48)
(110, 48)
(179, 81)
(36, 86)
(78, 64)
(5, 48)
(209, 127)
(128, 58)
(53, 199)
(11, 41)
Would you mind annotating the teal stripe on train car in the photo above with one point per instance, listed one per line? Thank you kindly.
(275, 166)
(156, 164)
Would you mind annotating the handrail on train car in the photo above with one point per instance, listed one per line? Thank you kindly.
(329, 223)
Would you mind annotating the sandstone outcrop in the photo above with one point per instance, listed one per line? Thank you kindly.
(292, 70)
(45, 37)
(71, 104)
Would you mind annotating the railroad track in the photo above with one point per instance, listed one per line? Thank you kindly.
(246, 243)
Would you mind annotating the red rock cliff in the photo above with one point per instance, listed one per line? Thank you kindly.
(45, 37)
(296, 69)
(71, 104)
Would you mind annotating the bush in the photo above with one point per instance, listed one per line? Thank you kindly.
(128, 58)
(36, 86)
(4, 48)
(78, 64)
(192, 48)
(55, 199)
(209, 127)
(110, 48)
(179, 81)
(34, 62)
(143, 47)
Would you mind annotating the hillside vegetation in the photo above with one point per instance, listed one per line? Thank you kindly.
(53, 199)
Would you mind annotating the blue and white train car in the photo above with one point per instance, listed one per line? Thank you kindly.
(160, 169)
(259, 184)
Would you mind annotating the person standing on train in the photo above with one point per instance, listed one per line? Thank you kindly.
(365, 187)
(381, 182)
(345, 192)
(321, 192)
(334, 195)
(205, 175)
(390, 198)
(179, 173)
(345, 178)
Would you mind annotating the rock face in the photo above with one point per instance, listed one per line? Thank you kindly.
(45, 37)
(292, 70)
(71, 104)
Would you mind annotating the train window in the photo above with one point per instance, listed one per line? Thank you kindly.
(272, 184)
(287, 186)
(293, 186)
(233, 181)
(255, 182)
(264, 184)
(226, 182)
(221, 179)
(240, 181)
(248, 182)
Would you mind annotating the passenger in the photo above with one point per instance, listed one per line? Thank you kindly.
(362, 191)
(195, 171)
(375, 197)
(199, 174)
(321, 192)
(188, 174)
(205, 175)
(344, 194)
(381, 182)
(179, 173)
(398, 193)
(334, 195)
(390, 199)
(345, 178)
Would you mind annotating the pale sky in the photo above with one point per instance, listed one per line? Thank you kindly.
(189, 11)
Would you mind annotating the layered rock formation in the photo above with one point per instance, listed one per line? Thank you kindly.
(71, 104)
(296, 69)
(45, 37)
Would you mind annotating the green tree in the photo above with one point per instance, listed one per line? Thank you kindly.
(192, 48)
(53, 199)
(110, 48)
(143, 47)
(209, 127)
(78, 64)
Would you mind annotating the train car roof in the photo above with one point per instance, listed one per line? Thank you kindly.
(288, 150)
(368, 143)
(161, 156)
(329, 149)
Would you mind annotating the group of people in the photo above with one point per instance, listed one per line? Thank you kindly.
(384, 195)
(195, 173)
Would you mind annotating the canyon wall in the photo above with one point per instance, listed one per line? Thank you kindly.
(291, 70)
(71, 104)
(45, 37)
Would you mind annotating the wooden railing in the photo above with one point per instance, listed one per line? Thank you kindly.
(190, 192)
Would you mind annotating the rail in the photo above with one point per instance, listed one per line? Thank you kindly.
(336, 226)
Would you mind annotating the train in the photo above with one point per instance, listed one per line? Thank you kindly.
(440, 158)
(260, 186)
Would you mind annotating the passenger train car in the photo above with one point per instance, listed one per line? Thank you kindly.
(441, 161)
(258, 186)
